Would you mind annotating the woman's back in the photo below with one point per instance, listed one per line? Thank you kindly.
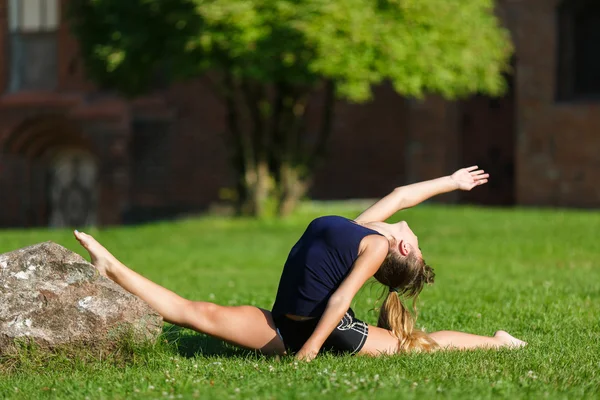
(317, 265)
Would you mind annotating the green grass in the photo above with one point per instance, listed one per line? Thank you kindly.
(534, 273)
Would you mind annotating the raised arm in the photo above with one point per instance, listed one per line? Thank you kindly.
(411, 195)
(365, 266)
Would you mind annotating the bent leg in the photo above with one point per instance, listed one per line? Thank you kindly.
(244, 326)
(379, 342)
(382, 341)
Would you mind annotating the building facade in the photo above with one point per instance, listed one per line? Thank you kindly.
(543, 138)
(73, 155)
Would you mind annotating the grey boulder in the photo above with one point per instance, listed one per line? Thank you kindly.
(53, 297)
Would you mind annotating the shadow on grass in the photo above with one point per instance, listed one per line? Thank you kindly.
(26, 356)
(188, 343)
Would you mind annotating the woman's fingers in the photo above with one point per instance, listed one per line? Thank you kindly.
(478, 172)
(481, 176)
(477, 177)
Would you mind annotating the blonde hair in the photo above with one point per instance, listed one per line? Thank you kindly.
(405, 277)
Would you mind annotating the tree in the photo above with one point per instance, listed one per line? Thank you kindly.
(267, 57)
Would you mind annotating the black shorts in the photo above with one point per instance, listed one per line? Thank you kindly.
(347, 338)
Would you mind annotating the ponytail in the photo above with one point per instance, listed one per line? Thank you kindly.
(395, 317)
(405, 277)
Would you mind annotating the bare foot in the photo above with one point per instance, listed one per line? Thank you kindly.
(507, 340)
(100, 257)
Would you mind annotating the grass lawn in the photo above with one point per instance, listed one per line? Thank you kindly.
(534, 273)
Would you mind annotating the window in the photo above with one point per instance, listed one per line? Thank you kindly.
(578, 55)
(33, 44)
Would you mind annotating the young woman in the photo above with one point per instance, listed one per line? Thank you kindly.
(332, 260)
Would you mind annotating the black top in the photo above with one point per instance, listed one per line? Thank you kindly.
(317, 265)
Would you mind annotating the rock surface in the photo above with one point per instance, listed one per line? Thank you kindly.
(55, 297)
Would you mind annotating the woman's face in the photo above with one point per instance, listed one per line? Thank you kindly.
(405, 238)
(405, 235)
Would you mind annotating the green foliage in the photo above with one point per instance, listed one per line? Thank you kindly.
(268, 56)
(534, 273)
(438, 46)
(126, 45)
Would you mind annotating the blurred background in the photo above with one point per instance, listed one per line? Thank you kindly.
(117, 112)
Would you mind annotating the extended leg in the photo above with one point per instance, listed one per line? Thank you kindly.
(244, 326)
(465, 341)
(382, 341)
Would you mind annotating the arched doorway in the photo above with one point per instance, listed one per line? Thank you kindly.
(72, 175)
(50, 166)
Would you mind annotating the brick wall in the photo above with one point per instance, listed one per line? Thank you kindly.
(365, 156)
(200, 159)
(71, 73)
(558, 143)
(374, 147)
(32, 124)
(3, 44)
(433, 147)
(556, 161)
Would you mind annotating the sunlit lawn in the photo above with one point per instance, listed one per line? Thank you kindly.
(534, 273)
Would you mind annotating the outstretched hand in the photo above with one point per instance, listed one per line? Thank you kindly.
(468, 178)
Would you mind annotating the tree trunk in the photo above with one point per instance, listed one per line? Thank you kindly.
(299, 163)
(270, 146)
(250, 166)
(293, 187)
(255, 189)
(289, 167)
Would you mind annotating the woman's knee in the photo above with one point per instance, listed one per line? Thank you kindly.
(202, 316)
